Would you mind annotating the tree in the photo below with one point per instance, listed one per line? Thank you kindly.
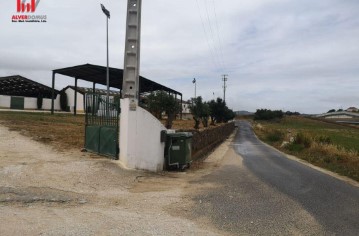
(160, 102)
(199, 110)
(171, 107)
(205, 114)
(212, 111)
(339, 110)
(228, 115)
(330, 111)
(265, 114)
(219, 112)
(63, 101)
(40, 99)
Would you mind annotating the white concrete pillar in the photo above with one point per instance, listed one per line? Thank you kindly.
(140, 138)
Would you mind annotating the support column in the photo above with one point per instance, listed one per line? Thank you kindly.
(75, 106)
(53, 93)
(93, 98)
(181, 106)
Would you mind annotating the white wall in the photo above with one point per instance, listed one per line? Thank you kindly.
(140, 133)
(339, 117)
(31, 103)
(71, 99)
(4, 101)
(46, 103)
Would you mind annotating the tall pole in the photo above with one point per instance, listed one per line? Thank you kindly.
(131, 73)
(195, 87)
(107, 13)
(107, 69)
(224, 79)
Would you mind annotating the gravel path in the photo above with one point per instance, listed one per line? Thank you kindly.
(44, 192)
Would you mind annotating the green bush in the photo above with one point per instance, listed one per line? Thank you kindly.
(294, 147)
(303, 139)
(63, 101)
(324, 140)
(264, 114)
(39, 101)
(275, 136)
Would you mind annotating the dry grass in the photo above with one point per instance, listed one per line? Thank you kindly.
(61, 131)
(326, 145)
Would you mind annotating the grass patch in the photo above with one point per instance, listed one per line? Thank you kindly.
(331, 146)
(62, 131)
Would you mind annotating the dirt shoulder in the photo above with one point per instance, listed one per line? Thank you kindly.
(47, 192)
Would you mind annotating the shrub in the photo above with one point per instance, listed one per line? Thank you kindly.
(275, 136)
(63, 101)
(294, 147)
(264, 114)
(303, 139)
(324, 140)
(39, 101)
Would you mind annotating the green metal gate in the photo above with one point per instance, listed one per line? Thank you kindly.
(102, 125)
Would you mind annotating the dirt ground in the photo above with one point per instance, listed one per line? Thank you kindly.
(47, 192)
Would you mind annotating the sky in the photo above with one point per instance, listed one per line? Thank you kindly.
(278, 54)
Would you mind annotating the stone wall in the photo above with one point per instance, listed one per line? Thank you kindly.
(203, 142)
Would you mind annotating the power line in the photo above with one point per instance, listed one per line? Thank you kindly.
(212, 34)
(208, 34)
(215, 63)
(218, 33)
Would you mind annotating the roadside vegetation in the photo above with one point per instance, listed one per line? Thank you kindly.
(328, 145)
(215, 110)
(62, 131)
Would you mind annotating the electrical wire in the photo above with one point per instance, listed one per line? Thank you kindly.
(211, 49)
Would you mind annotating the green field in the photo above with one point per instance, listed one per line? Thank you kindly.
(328, 145)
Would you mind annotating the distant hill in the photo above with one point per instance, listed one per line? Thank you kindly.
(244, 113)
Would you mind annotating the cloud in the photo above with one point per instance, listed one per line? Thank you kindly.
(279, 54)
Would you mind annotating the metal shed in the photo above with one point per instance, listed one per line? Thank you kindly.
(97, 75)
(17, 85)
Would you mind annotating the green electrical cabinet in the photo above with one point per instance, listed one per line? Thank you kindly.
(178, 150)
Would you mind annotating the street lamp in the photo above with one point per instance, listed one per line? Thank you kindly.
(107, 13)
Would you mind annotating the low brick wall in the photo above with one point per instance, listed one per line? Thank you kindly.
(203, 142)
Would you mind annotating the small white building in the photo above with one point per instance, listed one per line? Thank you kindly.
(339, 115)
(20, 93)
(352, 109)
(186, 112)
(81, 94)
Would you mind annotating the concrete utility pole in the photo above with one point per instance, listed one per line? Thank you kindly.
(224, 79)
(131, 75)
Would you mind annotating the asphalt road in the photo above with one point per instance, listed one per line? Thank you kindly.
(259, 191)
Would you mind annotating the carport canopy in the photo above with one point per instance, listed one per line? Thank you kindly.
(97, 75)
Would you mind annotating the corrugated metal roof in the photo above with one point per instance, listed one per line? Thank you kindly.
(17, 85)
(84, 90)
(97, 74)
